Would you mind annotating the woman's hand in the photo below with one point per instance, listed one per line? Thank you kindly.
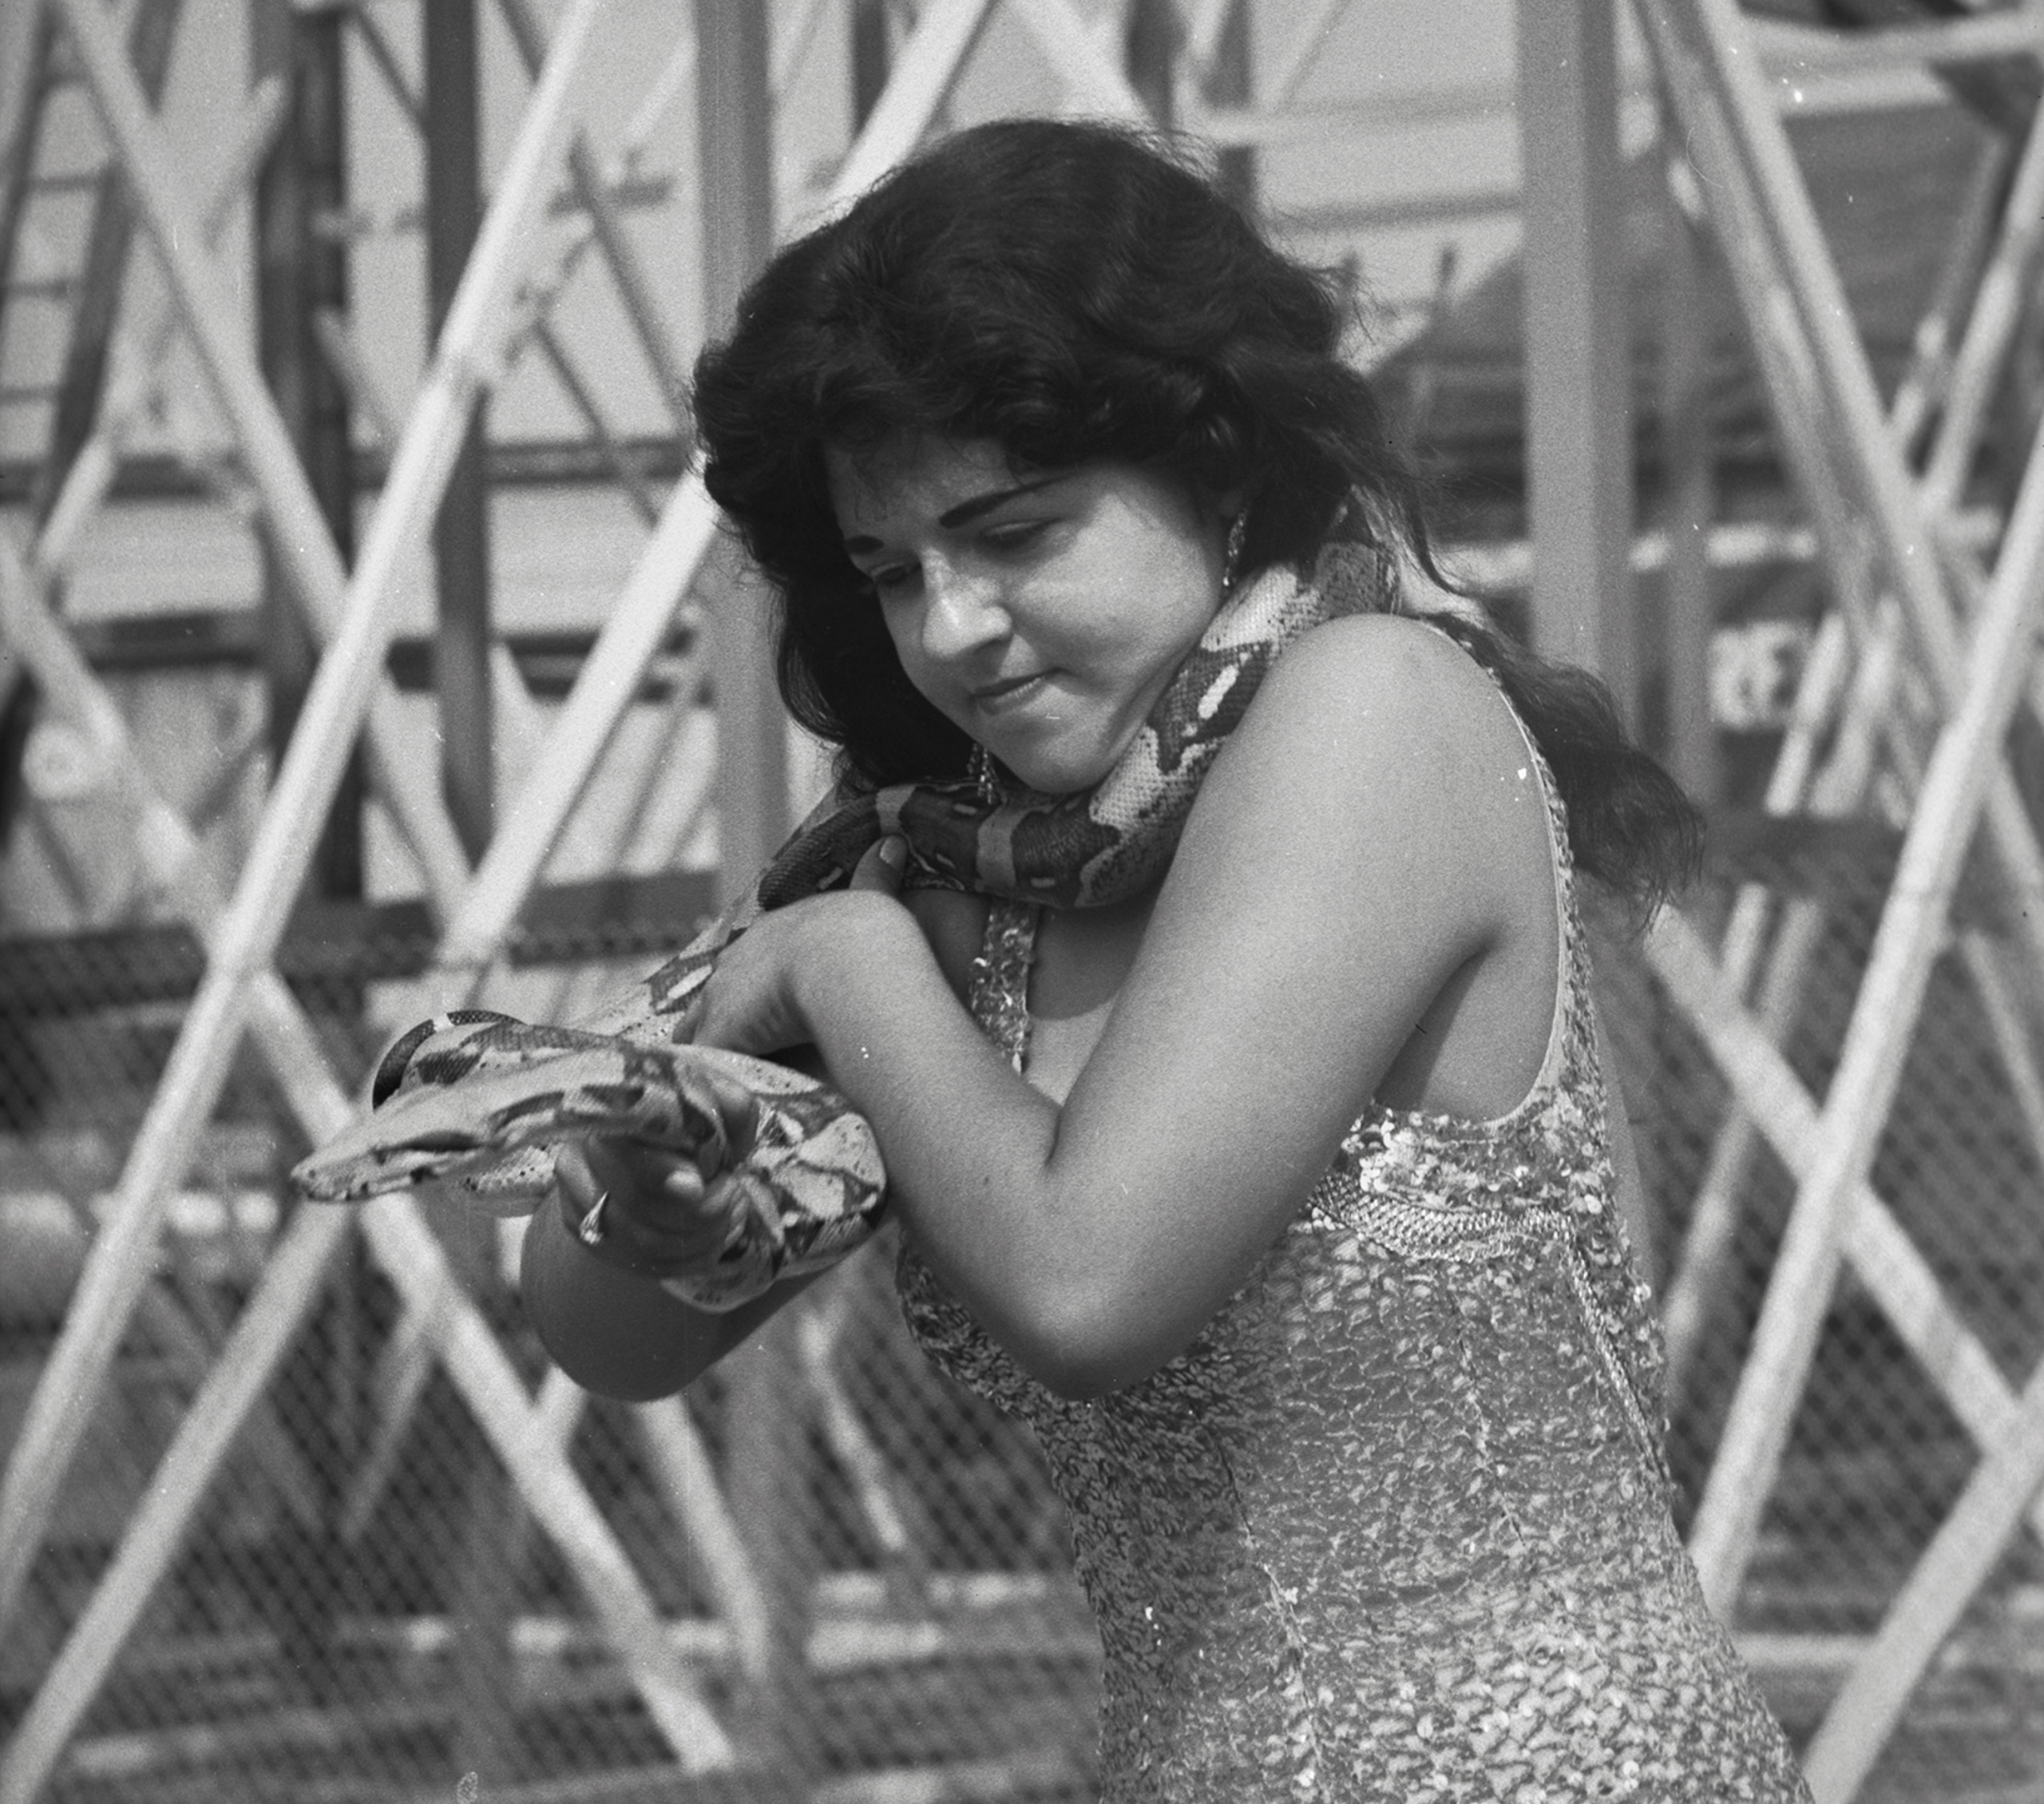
(657, 1215)
(643, 1210)
(752, 1003)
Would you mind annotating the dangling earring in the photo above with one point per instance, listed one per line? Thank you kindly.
(984, 775)
(1231, 553)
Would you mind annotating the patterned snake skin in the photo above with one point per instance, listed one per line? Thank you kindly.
(474, 1100)
(461, 1097)
(1394, 1530)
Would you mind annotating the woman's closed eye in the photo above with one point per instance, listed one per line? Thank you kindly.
(1014, 535)
(892, 579)
(1007, 539)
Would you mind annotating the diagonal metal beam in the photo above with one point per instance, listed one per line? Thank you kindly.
(1957, 1562)
(289, 1288)
(1895, 1273)
(1091, 77)
(135, 363)
(1954, 790)
(1962, 379)
(530, 1445)
(1703, 49)
(1309, 40)
(638, 624)
(635, 288)
(240, 977)
(1829, 406)
(304, 546)
(103, 277)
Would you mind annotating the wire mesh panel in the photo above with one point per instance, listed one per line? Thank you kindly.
(860, 1567)
(1877, 1455)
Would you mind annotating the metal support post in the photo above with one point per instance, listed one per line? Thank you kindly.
(1150, 49)
(1230, 80)
(461, 530)
(298, 273)
(102, 279)
(765, 1426)
(734, 149)
(240, 973)
(1688, 485)
(1576, 361)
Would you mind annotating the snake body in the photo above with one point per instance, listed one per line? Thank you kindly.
(473, 1100)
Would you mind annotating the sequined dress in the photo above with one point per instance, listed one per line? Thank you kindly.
(1395, 1526)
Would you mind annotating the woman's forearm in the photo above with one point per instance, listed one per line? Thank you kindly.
(620, 1335)
(967, 1143)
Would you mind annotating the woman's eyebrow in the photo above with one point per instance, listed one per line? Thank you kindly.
(966, 511)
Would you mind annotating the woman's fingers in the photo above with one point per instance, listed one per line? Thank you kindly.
(683, 1185)
(640, 1209)
(881, 867)
(578, 1184)
(737, 1108)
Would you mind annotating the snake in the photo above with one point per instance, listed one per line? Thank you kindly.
(473, 1101)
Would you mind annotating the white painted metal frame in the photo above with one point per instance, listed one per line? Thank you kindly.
(1577, 370)
(411, 1256)
(1853, 472)
(242, 992)
(1934, 381)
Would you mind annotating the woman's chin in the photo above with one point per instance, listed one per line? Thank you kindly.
(1056, 776)
(1061, 766)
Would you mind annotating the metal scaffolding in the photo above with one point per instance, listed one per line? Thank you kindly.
(1908, 598)
(501, 297)
(1924, 659)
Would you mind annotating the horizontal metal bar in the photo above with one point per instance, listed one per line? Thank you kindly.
(198, 637)
(1508, 564)
(633, 192)
(336, 945)
(69, 181)
(533, 464)
(1802, 86)
(1787, 49)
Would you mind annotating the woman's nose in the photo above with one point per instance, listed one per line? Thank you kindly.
(963, 612)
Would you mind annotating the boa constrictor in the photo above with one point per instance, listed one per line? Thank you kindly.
(474, 1099)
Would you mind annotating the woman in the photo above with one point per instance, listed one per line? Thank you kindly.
(1274, 1185)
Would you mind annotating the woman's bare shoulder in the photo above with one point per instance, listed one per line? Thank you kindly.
(1395, 664)
(1382, 719)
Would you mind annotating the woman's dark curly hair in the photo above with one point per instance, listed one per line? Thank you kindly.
(1077, 292)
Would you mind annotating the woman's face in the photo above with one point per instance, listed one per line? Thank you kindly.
(1042, 610)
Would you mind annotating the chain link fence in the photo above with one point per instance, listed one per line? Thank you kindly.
(1876, 1456)
(860, 1569)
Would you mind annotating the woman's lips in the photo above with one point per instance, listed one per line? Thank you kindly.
(999, 698)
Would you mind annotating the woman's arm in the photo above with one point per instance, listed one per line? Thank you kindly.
(1370, 830)
(615, 1330)
(621, 1335)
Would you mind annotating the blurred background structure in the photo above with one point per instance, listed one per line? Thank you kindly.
(365, 646)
